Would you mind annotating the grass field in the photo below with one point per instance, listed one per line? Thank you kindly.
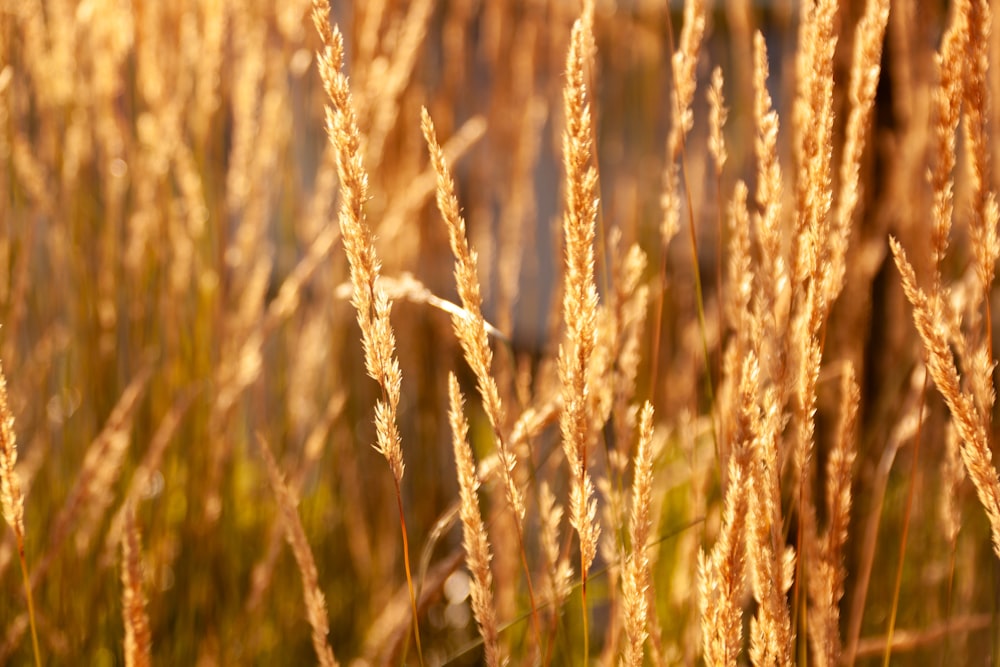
(547, 332)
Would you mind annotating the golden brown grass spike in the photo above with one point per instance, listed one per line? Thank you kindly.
(930, 322)
(722, 571)
(471, 328)
(772, 269)
(947, 107)
(772, 567)
(473, 334)
(557, 570)
(936, 330)
(296, 534)
(138, 637)
(11, 500)
(477, 548)
(984, 212)
(827, 582)
(579, 300)
(635, 579)
(864, 77)
(369, 301)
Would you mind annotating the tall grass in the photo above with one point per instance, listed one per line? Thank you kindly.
(255, 255)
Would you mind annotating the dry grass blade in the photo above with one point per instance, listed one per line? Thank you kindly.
(865, 71)
(11, 500)
(369, 301)
(102, 463)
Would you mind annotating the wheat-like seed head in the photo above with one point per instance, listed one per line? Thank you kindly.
(635, 579)
(11, 500)
(296, 535)
(138, 636)
(475, 540)
(580, 292)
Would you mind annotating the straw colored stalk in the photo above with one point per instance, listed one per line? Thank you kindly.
(635, 581)
(477, 548)
(984, 213)
(384, 91)
(138, 637)
(370, 302)
(770, 631)
(773, 273)
(683, 65)
(971, 417)
(721, 572)
(372, 305)
(739, 271)
(813, 116)
(580, 296)
(930, 321)
(631, 299)
(947, 107)
(470, 325)
(811, 244)
(263, 570)
(558, 573)
(736, 314)
(296, 535)
(11, 499)
(977, 109)
(864, 76)
(717, 114)
(473, 335)
(827, 585)
(952, 477)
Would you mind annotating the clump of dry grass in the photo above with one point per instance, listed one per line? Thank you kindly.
(171, 294)
(971, 408)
